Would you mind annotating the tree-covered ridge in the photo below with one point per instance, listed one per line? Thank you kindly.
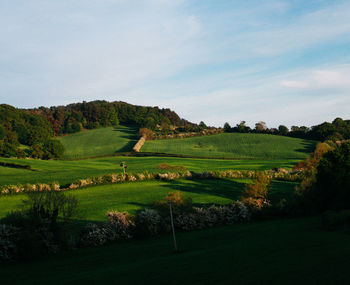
(338, 130)
(90, 115)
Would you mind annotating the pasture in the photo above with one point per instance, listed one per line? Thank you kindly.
(95, 201)
(99, 142)
(289, 251)
(235, 145)
(64, 172)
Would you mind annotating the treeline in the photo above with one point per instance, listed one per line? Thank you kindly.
(22, 127)
(338, 130)
(90, 115)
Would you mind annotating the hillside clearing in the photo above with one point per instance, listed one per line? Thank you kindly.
(99, 142)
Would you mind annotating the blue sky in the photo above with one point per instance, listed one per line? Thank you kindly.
(282, 62)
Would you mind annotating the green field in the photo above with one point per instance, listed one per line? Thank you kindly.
(99, 142)
(235, 145)
(97, 200)
(291, 251)
(65, 172)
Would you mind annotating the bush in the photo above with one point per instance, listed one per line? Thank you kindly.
(120, 225)
(8, 247)
(179, 203)
(93, 235)
(149, 223)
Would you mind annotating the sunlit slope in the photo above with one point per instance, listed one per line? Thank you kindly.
(235, 145)
(98, 142)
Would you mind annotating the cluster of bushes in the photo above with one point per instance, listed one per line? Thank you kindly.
(155, 221)
(39, 229)
(327, 183)
(146, 176)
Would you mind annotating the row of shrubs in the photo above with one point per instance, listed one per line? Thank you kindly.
(151, 222)
(146, 176)
(205, 132)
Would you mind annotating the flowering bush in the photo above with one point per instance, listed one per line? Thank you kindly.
(149, 223)
(120, 225)
(93, 235)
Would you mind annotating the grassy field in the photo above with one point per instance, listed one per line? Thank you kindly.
(235, 145)
(132, 196)
(292, 251)
(98, 142)
(67, 171)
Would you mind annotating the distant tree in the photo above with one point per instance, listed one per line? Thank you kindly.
(202, 125)
(227, 127)
(283, 130)
(260, 126)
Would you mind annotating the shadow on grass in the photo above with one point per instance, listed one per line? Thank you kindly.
(308, 146)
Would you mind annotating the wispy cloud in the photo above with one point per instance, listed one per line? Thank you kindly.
(278, 61)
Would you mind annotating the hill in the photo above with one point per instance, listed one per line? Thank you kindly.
(235, 145)
(99, 142)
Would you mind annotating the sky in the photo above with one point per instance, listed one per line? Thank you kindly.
(281, 62)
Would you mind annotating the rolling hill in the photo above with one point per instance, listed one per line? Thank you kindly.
(235, 145)
(99, 142)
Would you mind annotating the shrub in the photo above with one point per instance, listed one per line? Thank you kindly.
(120, 225)
(178, 201)
(8, 247)
(149, 223)
(255, 195)
(93, 235)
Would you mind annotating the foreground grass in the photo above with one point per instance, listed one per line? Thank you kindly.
(235, 145)
(98, 142)
(66, 172)
(293, 251)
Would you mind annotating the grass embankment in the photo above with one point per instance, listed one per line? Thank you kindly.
(64, 172)
(235, 145)
(99, 142)
(293, 251)
(132, 196)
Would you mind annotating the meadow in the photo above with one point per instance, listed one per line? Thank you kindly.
(65, 172)
(235, 145)
(99, 142)
(287, 251)
(95, 201)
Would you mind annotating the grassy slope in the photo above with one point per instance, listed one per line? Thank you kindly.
(235, 145)
(253, 253)
(68, 171)
(96, 201)
(98, 142)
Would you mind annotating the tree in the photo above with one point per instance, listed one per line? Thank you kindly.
(227, 127)
(202, 125)
(283, 130)
(260, 126)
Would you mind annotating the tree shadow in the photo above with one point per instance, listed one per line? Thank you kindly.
(308, 146)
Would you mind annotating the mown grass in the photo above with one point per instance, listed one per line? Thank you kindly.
(292, 251)
(98, 142)
(64, 172)
(235, 145)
